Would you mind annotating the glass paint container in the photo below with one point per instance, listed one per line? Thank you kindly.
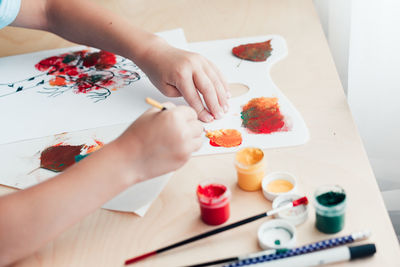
(330, 207)
(250, 167)
(214, 201)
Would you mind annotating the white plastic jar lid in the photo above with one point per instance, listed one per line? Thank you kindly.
(277, 234)
(296, 215)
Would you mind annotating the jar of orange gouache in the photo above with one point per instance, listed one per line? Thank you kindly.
(250, 166)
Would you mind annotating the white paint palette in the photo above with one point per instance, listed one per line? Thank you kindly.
(255, 75)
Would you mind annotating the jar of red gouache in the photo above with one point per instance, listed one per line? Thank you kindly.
(214, 202)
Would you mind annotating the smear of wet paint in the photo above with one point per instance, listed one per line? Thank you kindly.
(93, 148)
(75, 68)
(59, 157)
(225, 137)
(253, 52)
(58, 81)
(262, 116)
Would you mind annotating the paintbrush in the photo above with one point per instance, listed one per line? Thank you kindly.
(297, 202)
(158, 105)
(155, 103)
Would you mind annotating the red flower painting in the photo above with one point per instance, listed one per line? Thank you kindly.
(95, 73)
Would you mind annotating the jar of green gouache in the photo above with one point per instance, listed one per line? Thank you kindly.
(330, 206)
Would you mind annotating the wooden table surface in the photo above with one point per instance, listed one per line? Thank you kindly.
(308, 77)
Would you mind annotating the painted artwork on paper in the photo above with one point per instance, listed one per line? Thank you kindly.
(72, 89)
(59, 157)
(93, 73)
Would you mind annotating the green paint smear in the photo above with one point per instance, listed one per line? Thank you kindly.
(80, 157)
(69, 58)
(330, 199)
(247, 115)
(95, 78)
(277, 242)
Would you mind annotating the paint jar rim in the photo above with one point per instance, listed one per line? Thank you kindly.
(248, 168)
(277, 176)
(294, 218)
(212, 202)
(333, 210)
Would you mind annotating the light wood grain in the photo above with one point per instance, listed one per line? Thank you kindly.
(335, 153)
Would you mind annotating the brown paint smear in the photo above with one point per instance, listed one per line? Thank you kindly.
(59, 157)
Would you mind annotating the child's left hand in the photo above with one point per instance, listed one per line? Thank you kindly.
(177, 72)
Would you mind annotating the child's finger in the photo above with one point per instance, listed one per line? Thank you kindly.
(207, 89)
(196, 128)
(221, 78)
(171, 91)
(192, 97)
(168, 105)
(219, 88)
(188, 113)
(196, 143)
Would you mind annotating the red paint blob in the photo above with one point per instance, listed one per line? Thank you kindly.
(214, 203)
(100, 60)
(82, 69)
(253, 52)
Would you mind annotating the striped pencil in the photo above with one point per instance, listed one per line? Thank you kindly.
(324, 244)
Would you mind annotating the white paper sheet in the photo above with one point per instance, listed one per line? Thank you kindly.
(20, 160)
(20, 163)
(44, 110)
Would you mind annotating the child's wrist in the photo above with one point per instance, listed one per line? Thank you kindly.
(128, 160)
(151, 44)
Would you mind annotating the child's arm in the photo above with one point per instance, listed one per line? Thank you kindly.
(156, 143)
(173, 71)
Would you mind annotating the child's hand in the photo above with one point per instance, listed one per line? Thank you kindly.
(161, 141)
(176, 72)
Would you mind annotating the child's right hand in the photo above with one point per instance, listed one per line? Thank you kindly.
(160, 141)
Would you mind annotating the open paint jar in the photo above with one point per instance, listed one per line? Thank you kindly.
(330, 207)
(214, 202)
(250, 166)
(277, 184)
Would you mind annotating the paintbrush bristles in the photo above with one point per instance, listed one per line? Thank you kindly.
(300, 201)
(154, 103)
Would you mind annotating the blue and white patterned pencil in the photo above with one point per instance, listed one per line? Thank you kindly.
(329, 243)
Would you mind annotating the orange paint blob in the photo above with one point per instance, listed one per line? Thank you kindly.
(225, 137)
(262, 116)
(95, 147)
(58, 81)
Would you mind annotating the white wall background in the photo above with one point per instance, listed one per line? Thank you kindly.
(364, 37)
(335, 19)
